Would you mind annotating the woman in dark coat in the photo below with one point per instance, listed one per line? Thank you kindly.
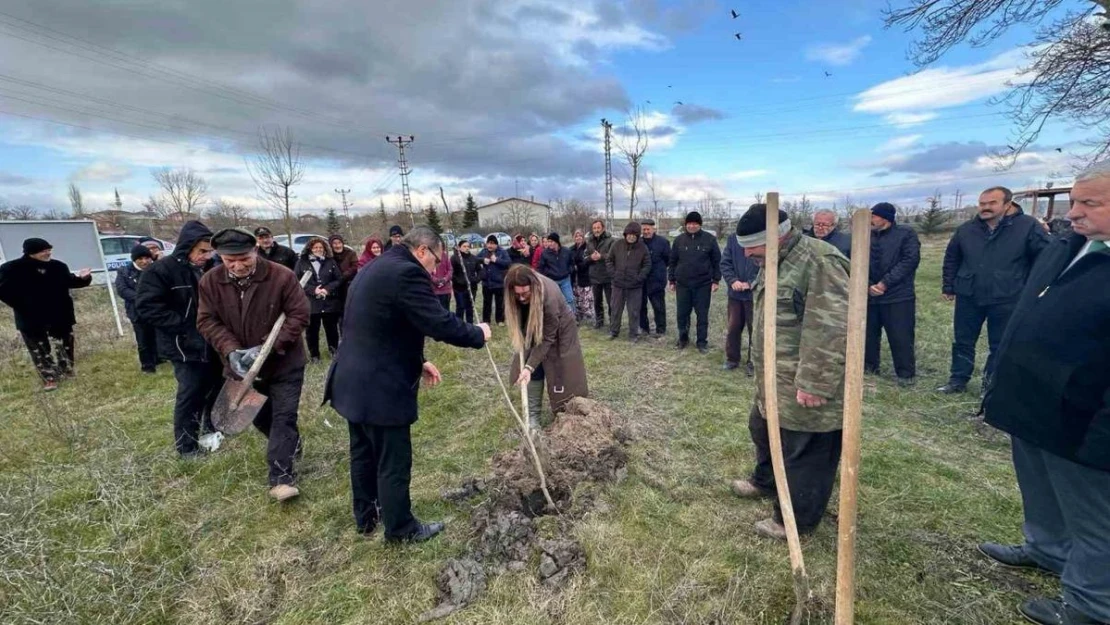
(370, 252)
(347, 260)
(583, 294)
(542, 326)
(322, 290)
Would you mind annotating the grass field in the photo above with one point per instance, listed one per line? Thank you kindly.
(101, 523)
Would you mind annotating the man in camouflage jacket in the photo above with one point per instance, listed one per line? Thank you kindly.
(811, 308)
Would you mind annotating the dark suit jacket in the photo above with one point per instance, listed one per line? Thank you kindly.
(375, 376)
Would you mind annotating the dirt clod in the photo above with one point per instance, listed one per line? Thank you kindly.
(560, 558)
(459, 583)
(468, 489)
(505, 540)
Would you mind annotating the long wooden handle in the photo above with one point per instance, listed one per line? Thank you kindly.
(252, 373)
(853, 412)
(770, 383)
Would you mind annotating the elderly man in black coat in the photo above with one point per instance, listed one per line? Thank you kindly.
(892, 302)
(127, 286)
(1051, 393)
(37, 286)
(374, 379)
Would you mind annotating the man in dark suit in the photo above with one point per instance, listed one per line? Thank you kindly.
(1051, 393)
(374, 379)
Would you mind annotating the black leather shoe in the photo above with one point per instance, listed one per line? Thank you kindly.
(749, 369)
(367, 530)
(1013, 556)
(613, 337)
(952, 388)
(729, 366)
(1053, 612)
(680, 344)
(702, 349)
(424, 532)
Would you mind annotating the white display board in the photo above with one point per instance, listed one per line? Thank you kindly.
(76, 243)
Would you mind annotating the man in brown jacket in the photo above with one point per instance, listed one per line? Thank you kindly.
(629, 263)
(239, 304)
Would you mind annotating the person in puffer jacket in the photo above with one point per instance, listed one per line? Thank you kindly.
(629, 263)
(694, 274)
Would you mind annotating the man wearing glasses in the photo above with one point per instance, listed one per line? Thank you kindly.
(825, 227)
(376, 374)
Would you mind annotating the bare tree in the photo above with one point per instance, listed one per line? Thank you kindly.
(655, 212)
(276, 169)
(1067, 77)
(632, 143)
(23, 212)
(158, 206)
(55, 215)
(183, 190)
(227, 214)
(758, 198)
(518, 215)
(75, 201)
(571, 215)
(5, 210)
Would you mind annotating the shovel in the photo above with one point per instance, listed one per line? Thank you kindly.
(238, 403)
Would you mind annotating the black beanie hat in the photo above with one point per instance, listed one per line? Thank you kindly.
(751, 230)
(141, 251)
(554, 236)
(632, 228)
(396, 230)
(35, 245)
(885, 210)
(492, 239)
(693, 217)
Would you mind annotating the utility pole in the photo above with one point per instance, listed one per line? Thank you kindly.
(346, 210)
(401, 142)
(608, 127)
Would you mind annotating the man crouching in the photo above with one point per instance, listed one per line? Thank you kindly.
(239, 304)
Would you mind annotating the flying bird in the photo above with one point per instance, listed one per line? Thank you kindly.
(1061, 150)
(828, 75)
(735, 14)
(738, 37)
(1012, 148)
(679, 103)
(647, 101)
(669, 86)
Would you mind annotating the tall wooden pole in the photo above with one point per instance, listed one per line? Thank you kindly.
(771, 406)
(853, 411)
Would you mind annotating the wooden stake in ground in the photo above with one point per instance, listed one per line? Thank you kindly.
(771, 408)
(853, 411)
(525, 431)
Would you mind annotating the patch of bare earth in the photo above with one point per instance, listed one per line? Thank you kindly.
(585, 443)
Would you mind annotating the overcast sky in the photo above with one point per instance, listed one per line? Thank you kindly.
(504, 98)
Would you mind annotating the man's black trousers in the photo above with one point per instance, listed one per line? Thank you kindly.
(493, 298)
(146, 339)
(42, 353)
(198, 385)
(603, 300)
(659, 307)
(694, 299)
(381, 468)
(464, 303)
(899, 321)
(967, 324)
(330, 321)
(277, 420)
(811, 460)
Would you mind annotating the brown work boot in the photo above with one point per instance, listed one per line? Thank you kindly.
(744, 489)
(768, 528)
(284, 492)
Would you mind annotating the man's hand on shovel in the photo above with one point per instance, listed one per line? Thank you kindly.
(242, 359)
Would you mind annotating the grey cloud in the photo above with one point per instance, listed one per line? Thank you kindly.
(941, 157)
(683, 17)
(693, 113)
(480, 90)
(549, 14)
(656, 132)
(14, 180)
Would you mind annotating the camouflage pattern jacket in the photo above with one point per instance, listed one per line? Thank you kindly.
(812, 312)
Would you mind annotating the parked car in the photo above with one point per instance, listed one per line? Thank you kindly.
(477, 241)
(503, 239)
(117, 252)
(299, 239)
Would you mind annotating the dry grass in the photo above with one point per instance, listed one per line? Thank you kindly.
(100, 523)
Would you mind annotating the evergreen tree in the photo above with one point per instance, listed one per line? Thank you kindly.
(470, 215)
(933, 218)
(433, 219)
(333, 222)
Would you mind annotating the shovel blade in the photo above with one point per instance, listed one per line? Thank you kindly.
(230, 419)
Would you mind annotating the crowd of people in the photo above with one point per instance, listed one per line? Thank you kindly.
(1044, 298)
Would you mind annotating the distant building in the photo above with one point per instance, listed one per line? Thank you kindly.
(515, 213)
(120, 222)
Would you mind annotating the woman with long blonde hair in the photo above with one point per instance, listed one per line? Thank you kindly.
(542, 327)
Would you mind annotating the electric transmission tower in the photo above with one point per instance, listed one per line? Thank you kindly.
(401, 142)
(346, 210)
(608, 127)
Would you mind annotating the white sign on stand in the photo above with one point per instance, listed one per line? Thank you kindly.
(76, 243)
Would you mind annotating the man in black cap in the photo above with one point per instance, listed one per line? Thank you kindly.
(895, 255)
(239, 304)
(694, 273)
(557, 263)
(395, 236)
(37, 288)
(167, 299)
(273, 251)
(811, 316)
(655, 288)
(127, 286)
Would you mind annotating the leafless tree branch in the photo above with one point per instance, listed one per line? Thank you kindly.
(276, 169)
